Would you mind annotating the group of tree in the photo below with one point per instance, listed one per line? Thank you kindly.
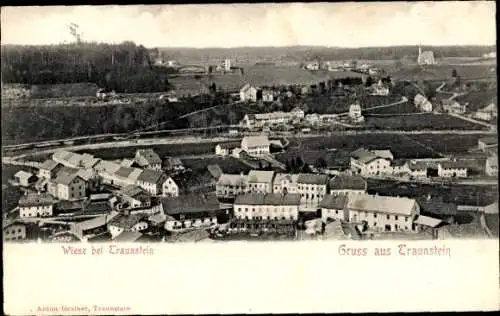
(297, 165)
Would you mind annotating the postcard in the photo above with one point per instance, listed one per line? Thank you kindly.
(250, 158)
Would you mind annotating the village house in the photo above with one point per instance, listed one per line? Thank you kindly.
(107, 171)
(270, 206)
(418, 169)
(154, 182)
(355, 113)
(67, 186)
(273, 118)
(94, 227)
(134, 196)
(332, 207)
(260, 181)
(312, 188)
(422, 103)
(345, 183)
(49, 168)
(36, 205)
(15, 91)
(371, 163)
(491, 166)
(126, 176)
(380, 88)
(223, 149)
(147, 158)
(248, 93)
(173, 164)
(267, 95)
(256, 145)
(127, 223)
(487, 142)
(314, 65)
(20, 231)
(74, 160)
(400, 167)
(169, 187)
(91, 178)
(487, 113)
(191, 211)
(231, 185)
(452, 169)
(425, 58)
(24, 178)
(452, 106)
(383, 213)
(285, 183)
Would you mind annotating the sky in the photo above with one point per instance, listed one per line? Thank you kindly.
(236, 25)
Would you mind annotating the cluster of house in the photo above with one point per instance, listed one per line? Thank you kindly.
(374, 163)
(256, 146)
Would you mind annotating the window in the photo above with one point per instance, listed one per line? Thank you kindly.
(374, 215)
(396, 217)
(388, 216)
(406, 218)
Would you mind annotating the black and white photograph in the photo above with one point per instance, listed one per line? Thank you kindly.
(129, 126)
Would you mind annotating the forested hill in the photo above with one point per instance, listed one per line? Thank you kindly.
(103, 64)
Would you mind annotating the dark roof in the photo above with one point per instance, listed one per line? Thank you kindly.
(150, 156)
(49, 164)
(135, 192)
(124, 171)
(227, 145)
(418, 165)
(36, 200)
(437, 207)
(66, 178)
(190, 203)
(215, 171)
(347, 182)
(311, 178)
(152, 176)
(171, 162)
(126, 221)
(332, 201)
(268, 199)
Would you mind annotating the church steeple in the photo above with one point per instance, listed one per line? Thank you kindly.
(419, 49)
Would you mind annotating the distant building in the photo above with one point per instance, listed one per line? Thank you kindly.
(36, 205)
(135, 196)
(267, 95)
(48, 169)
(491, 165)
(490, 55)
(15, 91)
(380, 88)
(312, 188)
(488, 113)
(256, 145)
(452, 169)
(346, 183)
(173, 164)
(422, 103)
(355, 113)
(314, 65)
(227, 65)
(426, 57)
(285, 183)
(270, 206)
(127, 223)
(248, 93)
(147, 158)
(487, 142)
(371, 163)
(74, 160)
(67, 186)
(231, 185)
(453, 107)
(333, 206)
(279, 117)
(20, 231)
(260, 181)
(223, 149)
(25, 178)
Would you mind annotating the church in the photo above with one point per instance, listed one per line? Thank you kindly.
(425, 58)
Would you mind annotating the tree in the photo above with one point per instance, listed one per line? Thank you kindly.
(320, 163)
(454, 73)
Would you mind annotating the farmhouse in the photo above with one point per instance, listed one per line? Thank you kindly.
(135, 197)
(379, 88)
(383, 213)
(49, 168)
(312, 188)
(173, 164)
(36, 205)
(127, 222)
(231, 185)
(17, 231)
(152, 181)
(192, 210)
(371, 163)
(67, 186)
(452, 169)
(422, 103)
(169, 187)
(426, 57)
(255, 145)
(260, 181)
(94, 227)
(270, 206)
(267, 95)
(285, 183)
(273, 118)
(147, 158)
(488, 113)
(332, 207)
(25, 178)
(223, 149)
(248, 93)
(74, 160)
(400, 167)
(418, 169)
(347, 183)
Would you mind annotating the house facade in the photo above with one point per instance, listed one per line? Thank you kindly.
(422, 103)
(345, 183)
(260, 181)
(248, 93)
(418, 170)
(191, 211)
(148, 158)
(170, 188)
(491, 166)
(367, 163)
(332, 207)
(270, 206)
(231, 185)
(223, 149)
(36, 205)
(48, 169)
(452, 169)
(126, 222)
(256, 145)
(25, 178)
(67, 186)
(285, 183)
(312, 188)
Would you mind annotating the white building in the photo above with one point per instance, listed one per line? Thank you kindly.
(231, 185)
(452, 169)
(256, 145)
(248, 93)
(355, 113)
(488, 113)
(312, 188)
(67, 186)
(25, 178)
(285, 183)
(169, 187)
(418, 170)
(422, 103)
(227, 65)
(426, 57)
(312, 65)
(73, 160)
(223, 149)
(267, 95)
(278, 117)
(148, 158)
(260, 181)
(333, 206)
(48, 169)
(383, 213)
(492, 165)
(127, 223)
(371, 163)
(271, 206)
(36, 205)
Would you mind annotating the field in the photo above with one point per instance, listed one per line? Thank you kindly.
(441, 72)
(459, 194)
(227, 164)
(64, 90)
(415, 122)
(478, 100)
(448, 143)
(338, 159)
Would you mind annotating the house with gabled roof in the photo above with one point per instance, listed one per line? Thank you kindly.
(148, 158)
(248, 93)
(347, 183)
(312, 188)
(24, 178)
(285, 183)
(260, 181)
(231, 185)
(74, 160)
(48, 169)
(371, 162)
(135, 196)
(267, 206)
(124, 222)
(256, 145)
(36, 205)
(67, 186)
(332, 207)
(452, 169)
